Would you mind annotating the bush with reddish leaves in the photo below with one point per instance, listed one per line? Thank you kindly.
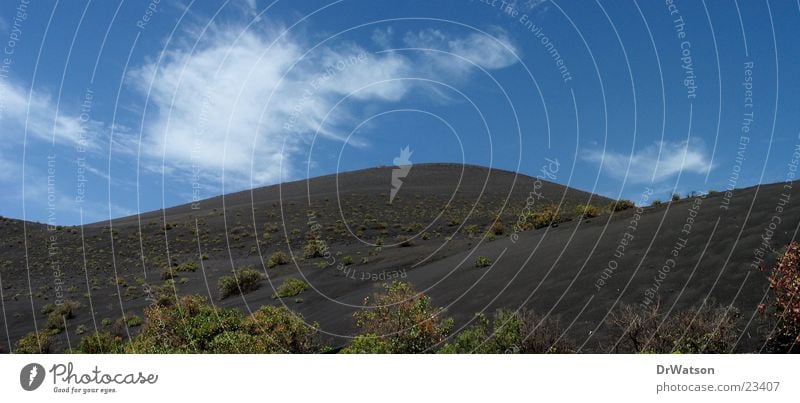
(399, 321)
(785, 284)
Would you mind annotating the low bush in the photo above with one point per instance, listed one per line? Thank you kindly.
(471, 230)
(191, 325)
(165, 294)
(368, 344)
(189, 266)
(548, 216)
(276, 259)
(100, 343)
(187, 326)
(483, 261)
(708, 329)
(784, 281)
(314, 248)
(34, 343)
(584, 211)
(510, 332)
(133, 321)
(242, 281)
(291, 286)
(620, 205)
(61, 313)
(399, 321)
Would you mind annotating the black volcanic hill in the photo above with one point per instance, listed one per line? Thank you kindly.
(430, 236)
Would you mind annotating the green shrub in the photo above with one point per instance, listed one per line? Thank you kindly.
(620, 205)
(504, 335)
(368, 344)
(47, 308)
(314, 248)
(584, 211)
(133, 321)
(404, 321)
(100, 343)
(60, 313)
(548, 216)
(165, 294)
(33, 343)
(243, 281)
(276, 259)
(186, 326)
(347, 260)
(191, 325)
(510, 332)
(675, 197)
(291, 286)
(279, 330)
(471, 230)
(189, 266)
(483, 261)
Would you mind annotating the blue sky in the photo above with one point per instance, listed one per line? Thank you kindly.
(111, 108)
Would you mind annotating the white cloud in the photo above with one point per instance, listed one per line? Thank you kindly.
(656, 162)
(233, 96)
(490, 52)
(41, 118)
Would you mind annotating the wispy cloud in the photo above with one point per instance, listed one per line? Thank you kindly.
(21, 108)
(492, 51)
(244, 104)
(654, 163)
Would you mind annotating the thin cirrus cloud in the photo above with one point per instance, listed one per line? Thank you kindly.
(35, 113)
(657, 162)
(244, 104)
